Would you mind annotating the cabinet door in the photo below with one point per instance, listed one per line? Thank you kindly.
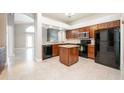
(113, 24)
(116, 23)
(73, 55)
(71, 34)
(55, 50)
(87, 29)
(110, 24)
(91, 51)
(75, 33)
(84, 29)
(81, 29)
(92, 31)
(102, 26)
(64, 57)
(68, 34)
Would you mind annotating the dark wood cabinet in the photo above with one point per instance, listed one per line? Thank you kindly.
(108, 24)
(73, 55)
(102, 26)
(75, 33)
(72, 34)
(84, 29)
(55, 50)
(113, 24)
(91, 51)
(68, 56)
(68, 34)
(91, 29)
(63, 55)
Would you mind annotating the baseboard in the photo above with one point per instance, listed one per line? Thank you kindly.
(23, 48)
(37, 59)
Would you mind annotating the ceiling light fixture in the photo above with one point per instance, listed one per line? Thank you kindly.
(69, 14)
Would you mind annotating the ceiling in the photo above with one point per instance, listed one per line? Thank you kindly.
(63, 18)
(22, 18)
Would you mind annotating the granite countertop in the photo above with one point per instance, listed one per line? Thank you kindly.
(60, 43)
(68, 46)
(51, 43)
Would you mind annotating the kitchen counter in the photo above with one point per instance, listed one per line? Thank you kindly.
(60, 43)
(68, 46)
(68, 54)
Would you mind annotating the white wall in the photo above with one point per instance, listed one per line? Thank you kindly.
(10, 35)
(95, 19)
(38, 37)
(2, 30)
(61, 36)
(44, 35)
(21, 35)
(122, 43)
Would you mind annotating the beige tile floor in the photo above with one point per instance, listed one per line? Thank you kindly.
(51, 69)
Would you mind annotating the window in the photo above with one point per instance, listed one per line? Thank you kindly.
(30, 29)
(52, 35)
(29, 41)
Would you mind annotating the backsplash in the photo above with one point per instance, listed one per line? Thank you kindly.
(92, 41)
(78, 41)
(69, 41)
(72, 41)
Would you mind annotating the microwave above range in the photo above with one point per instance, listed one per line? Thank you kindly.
(84, 35)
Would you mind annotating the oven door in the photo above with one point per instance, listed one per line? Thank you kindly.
(83, 51)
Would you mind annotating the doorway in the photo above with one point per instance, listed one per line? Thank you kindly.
(24, 37)
(20, 37)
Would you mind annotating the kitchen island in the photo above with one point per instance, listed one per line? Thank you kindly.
(68, 54)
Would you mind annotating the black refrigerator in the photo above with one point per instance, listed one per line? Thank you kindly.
(107, 47)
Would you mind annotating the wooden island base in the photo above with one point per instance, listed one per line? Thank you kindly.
(68, 54)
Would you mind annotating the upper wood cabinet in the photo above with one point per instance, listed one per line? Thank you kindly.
(102, 26)
(71, 34)
(84, 29)
(93, 28)
(113, 24)
(74, 33)
(108, 24)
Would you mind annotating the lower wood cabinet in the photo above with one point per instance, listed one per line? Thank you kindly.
(91, 51)
(55, 50)
(68, 56)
